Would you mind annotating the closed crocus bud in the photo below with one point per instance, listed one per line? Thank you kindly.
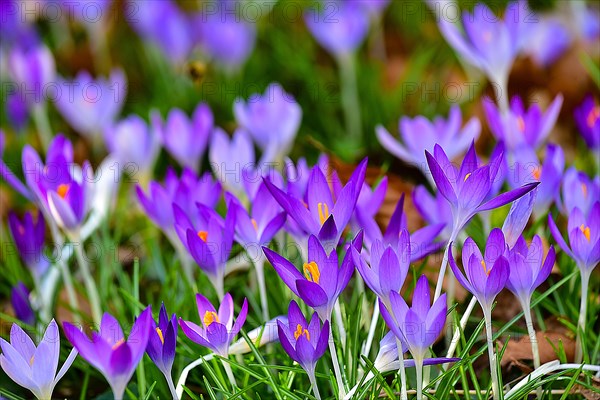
(29, 239)
(162, 342)
(19, 298)
(32, 69)
(16, 110)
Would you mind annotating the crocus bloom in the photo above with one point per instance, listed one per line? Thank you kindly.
(109, 352)
(548, 40)
(587, 117)
(19, 299)
(34, 367)
(29, 240)
(323, 280)
(304, 341)
(91, 105)
(218, 328)
(419, 134)
(231, 159)
(133, 143)
(486, 275)
(578, 190)
(467, 188)
(520, 127)
(272, 119)
(434, 209)
(162, 342)
(184, 138)
(165, 25)
(32, 69)
(324, 214)
(517, 218)
(367, 206)
(16, 111)
(342, 33)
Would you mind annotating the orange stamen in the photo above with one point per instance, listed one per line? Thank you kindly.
(487, 272)
(160, 335)
(311, 271)
(323, 212)
(586, 232)
(300, 332)
(210, 317)
(62, 190)
(593, 116)
(117, 344)
(203, 235)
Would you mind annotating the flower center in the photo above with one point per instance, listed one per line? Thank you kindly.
(521, 124)
(311, 271)
(203, 235)
(300, 331)
(537, 173)
(467, 176)
(62, 190)
(593, 116)
(160, 335)
(210, 317)
(118, 344)
(254, 224)
(323, 212)
(584, 189)
(586, 232)
(31, 360)
(485, 269)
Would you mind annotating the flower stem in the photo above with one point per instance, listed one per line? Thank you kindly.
(40, 118)
(259, 264)
(313, 383)
(367, 346)
(184, 374)
(402, 371)
(532, 337)
(350, 100)
(336, 364)
(442, 274)
(340, 322)
(419, 371)
(88, 281)
(171, 387)
(230, 375)
(487, 313)
(585, 280)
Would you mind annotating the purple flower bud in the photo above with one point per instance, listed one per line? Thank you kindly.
(162, 342)
(19, 298)
(32, 69)
(16, 110)
(29, 239)
(587, 117)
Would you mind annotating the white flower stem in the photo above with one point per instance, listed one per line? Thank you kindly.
(64, 270)
(367, 346)
(339, 321)
(230, 375)
(402, 371)
(259, 264)
(442, 274)
(487, 313)
(419, 371)
(88, 280)
(313, 384)
(585, 280)
(186, 371)
(336, 364)
(172, 387)
(42, 123)
(463, 322)
(532, 336)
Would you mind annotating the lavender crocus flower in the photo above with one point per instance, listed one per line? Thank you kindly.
(272, 119)
(587, 117)
(218, 328)
(367, 206)
(419, 134)
(109, 352)
(342, 34)
(548, 40)
(186, 138)
(29, 239)
(162, 342)
(19, 299)
(16, 111)
(231, 159)
(520, 127)
(91, 105)
(579, 191)
(305, 342)
(324, 278)
(34, 367)
(32, 69)
(434, 209)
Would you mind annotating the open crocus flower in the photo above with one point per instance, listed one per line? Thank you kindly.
(587, 117)
(218, 328)
(305, 342)
(31, 366)
(520, 127)
(29, 240)
(93, 104)
(579, 191)
(419, 134)
(323, 280)
(32, 68)
(467, 188)
(326, 211)
(186, 138)
(272, 119)
(109, 352)
(19, 299)
(434, 209)
(161, 343)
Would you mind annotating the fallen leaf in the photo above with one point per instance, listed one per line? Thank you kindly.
(519, 349)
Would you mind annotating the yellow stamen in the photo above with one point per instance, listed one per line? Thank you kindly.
(537, 173)
(467, 176)
(323, 212)
(311, 271)
(593, 116)
(160, 335)
(119, 343)
(31, 360)
(586, 232)
(301, 331)
(254, 224)
(584, 189)
(203, 235)
(487, 272)
(62, 190)
(210, 317)
(521, 124)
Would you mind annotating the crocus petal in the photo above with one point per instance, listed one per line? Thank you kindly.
(458, 273)
(517, 218)
(441, 181)
(285, 343)
(507, 197)
(311, 293)
(546, 269)
(496, 281)
(21, 342)
(558, 236)
(61, 211)
(241, 318)
(305, 352)
(285, 269)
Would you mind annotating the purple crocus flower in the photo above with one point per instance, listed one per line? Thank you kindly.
(184, 138)
(587, 117)
(109, 352)
(579, 191)
(162, 342)
(32, 69)
(486, 275)
(518, 217)
(467, 188)
(324, 278)
(527, 271)
(133, 143)
(305, 342)
(548, 40)
(29, 240)
(232, 159)
(419, 134)
(325, 212)
(519, 127)
(164, 24)
(367, 206)
(434, 209)
(16, 111)
(272, 119)
(342, 33)
(218, 328)
(91, 105)
(550, 175)
(34, 367)
(19, 299)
